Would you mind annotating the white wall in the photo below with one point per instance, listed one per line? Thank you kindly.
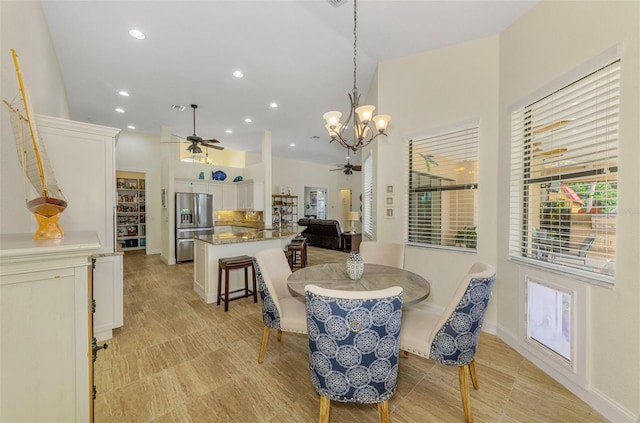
(427, 92)
(536, 60)
(481, 80)
(23, 28)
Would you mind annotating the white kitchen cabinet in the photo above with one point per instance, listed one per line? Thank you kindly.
(82, 156)
(108, 295)
(186, 185)
(250, 195)
(46, 328)
(224, 195)
(215, 189)
(230, 196)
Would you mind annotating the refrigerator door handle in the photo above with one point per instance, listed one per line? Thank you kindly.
(194, 229)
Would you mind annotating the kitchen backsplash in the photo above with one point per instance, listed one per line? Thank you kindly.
(239, 218)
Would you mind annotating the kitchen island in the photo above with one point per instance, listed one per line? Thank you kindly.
(239, 241)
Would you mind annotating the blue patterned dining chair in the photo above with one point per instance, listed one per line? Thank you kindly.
(383, 253)
(452, 338)
(353, 346)
(280, 310)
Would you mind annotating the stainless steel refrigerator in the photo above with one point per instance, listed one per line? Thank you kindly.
(194, 216)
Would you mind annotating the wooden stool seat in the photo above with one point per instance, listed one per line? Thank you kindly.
(233, 263)
(298, 250)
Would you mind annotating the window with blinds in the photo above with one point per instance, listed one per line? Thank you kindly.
(564, 177)
(367, 204)
(443, 186)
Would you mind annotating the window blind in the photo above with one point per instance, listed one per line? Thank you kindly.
(367, 204)
(442, 182)
(564, 175)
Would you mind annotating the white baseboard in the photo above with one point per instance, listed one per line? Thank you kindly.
(165, 260)
(150, 252)
(596, 399)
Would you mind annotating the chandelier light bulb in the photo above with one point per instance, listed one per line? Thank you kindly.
(332, 118)
(381, 122)
(365, 113)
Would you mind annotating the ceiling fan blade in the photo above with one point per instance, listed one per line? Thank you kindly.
(211, 141)
(217, 147)
(357, 168)
(331, 170)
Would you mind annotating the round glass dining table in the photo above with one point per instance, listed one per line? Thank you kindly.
(334, 276)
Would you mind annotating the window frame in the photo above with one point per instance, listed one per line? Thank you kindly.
(439, 234)
(595, 149)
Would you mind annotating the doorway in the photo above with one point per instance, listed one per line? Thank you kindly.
(315, 202)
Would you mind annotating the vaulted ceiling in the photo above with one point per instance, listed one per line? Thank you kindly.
(298, 54)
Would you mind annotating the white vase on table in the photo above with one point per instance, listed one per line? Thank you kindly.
(355, 266)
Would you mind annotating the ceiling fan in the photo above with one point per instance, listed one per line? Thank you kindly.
(348, 168)
(196, 141)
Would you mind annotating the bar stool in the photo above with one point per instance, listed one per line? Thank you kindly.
(298, 249)
(289, 255)
(233, 263)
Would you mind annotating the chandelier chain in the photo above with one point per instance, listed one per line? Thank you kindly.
(355, 46)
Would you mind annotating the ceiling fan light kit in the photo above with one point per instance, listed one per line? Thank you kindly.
(363, 131)
(195, 140)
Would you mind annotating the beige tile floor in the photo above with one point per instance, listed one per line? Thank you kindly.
(178, 359)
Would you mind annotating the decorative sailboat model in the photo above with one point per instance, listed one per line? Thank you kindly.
(49, 202)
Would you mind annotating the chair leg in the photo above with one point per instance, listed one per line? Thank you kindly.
(263, 344)
(279, 335)
(383, 412)
(255, 288)
(463, 376)
(325, 407)
(474, 376)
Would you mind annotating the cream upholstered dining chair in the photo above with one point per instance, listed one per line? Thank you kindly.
(280, 310)
(353, 346)
(452, 337)
(383, 253)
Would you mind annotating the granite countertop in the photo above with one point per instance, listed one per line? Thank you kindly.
(246, 236)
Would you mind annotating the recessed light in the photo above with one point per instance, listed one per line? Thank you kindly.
(178, 107)
(137, 34)
(248, 120)
(120, 110)
(131, 127)
(292, 145)
(273, 105)
(123, 93)
(228, 131)
(238, 74)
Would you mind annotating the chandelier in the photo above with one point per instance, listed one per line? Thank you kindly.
(363, 131)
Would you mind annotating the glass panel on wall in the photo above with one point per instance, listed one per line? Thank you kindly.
(549, 318)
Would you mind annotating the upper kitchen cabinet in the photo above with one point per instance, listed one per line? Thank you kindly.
(250, 195)
(225, 196)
